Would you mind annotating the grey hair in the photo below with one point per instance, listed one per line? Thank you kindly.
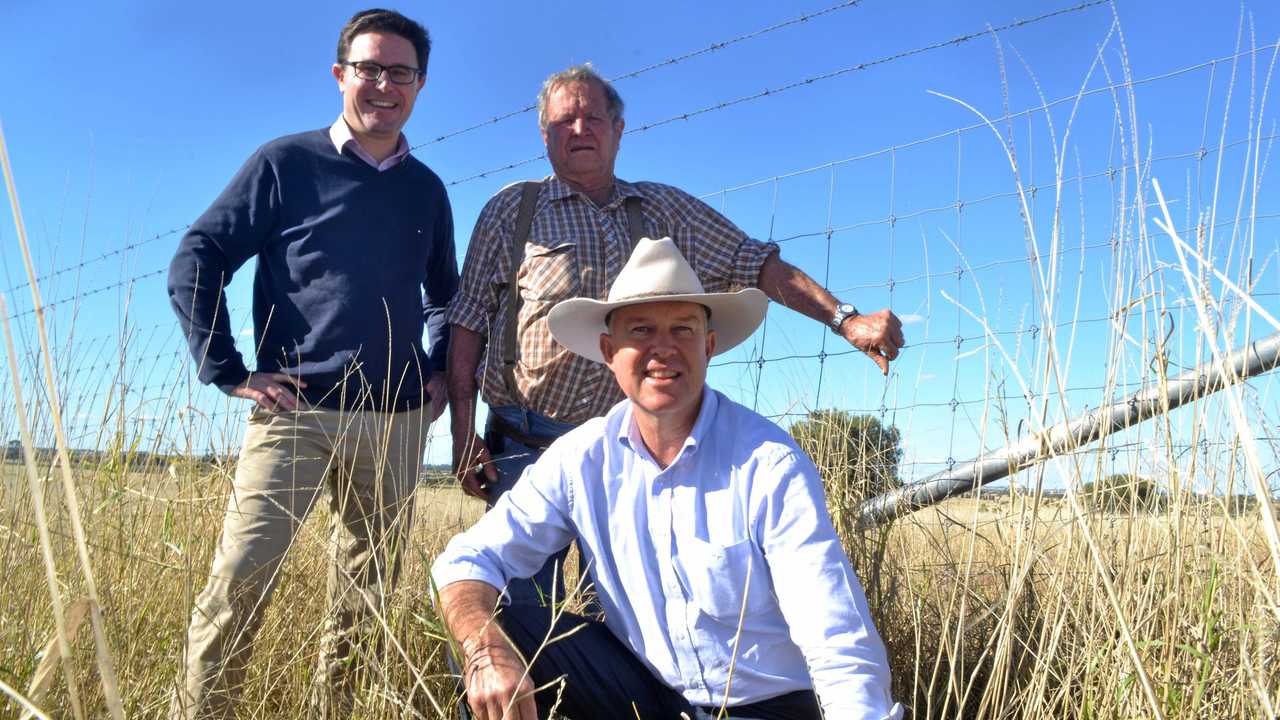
(583, 73)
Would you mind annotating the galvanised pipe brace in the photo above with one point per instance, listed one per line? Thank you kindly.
(1251, 360)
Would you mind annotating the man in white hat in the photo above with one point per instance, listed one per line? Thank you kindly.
(703, 528)
(569, 235)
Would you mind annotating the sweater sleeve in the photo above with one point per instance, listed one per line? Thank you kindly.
(234, 228)
(440, 285)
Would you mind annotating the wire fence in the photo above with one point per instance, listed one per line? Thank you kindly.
(1026, 298)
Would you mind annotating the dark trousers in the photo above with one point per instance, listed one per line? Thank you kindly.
(595, 676)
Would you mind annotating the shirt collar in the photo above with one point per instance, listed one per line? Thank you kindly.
(628, 434)
(341, 136)
(558, 189)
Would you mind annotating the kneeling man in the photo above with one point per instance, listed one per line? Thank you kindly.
(703, 528)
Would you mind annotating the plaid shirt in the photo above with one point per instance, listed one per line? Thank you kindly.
(577, 250)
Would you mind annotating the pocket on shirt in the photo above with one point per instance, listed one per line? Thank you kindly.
(721, 578)
(549, 273)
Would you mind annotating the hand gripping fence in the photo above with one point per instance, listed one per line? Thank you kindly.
(1253, 359)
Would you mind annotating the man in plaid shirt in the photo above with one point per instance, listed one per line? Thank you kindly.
(578, 239)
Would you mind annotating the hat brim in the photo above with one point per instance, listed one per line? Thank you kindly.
(578, 323)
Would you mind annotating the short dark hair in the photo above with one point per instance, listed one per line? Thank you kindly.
(385, 21)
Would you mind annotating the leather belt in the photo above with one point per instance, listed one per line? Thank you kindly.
(511, 432)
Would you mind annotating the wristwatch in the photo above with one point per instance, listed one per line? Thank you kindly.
(843, 312)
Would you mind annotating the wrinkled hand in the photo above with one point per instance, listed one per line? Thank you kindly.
(498, 687)
(468, 452)
(878, 334)
(273, 392)
(438, 394)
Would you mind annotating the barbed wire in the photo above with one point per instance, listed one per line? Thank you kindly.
(146, 375)
(1200, 153)
(770, 92)
(1007, 117)
(668, 62)
(889, 220)
(90, 293)
(120, 251)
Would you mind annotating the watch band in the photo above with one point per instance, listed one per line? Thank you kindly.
(843, 312)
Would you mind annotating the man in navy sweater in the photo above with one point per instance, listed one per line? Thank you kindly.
(354, 244)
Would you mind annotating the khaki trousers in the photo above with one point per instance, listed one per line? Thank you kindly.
(369, 462)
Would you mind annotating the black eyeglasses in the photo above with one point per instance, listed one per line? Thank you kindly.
(372, 71)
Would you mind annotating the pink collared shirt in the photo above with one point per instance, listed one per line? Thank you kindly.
(341, 135)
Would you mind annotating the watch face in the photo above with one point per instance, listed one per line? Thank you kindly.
(845, 309)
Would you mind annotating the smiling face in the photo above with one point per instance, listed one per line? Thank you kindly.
(581, 136)
(376, 111)
(658, 353)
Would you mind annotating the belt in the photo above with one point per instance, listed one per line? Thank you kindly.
(511, 432)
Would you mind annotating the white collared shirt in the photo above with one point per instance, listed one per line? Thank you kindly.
(672, 550)
(340, 134)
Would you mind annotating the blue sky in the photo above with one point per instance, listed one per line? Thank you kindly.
(124, 120)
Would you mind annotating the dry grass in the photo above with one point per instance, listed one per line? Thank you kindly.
(989, 609)
(1024, 608)
(997, 610)
(151, 540)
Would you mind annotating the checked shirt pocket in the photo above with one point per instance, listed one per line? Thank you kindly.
(549, 274)
(721, 577)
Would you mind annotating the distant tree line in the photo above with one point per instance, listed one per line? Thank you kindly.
(1128, 492)
(142, 460)
(82, 456)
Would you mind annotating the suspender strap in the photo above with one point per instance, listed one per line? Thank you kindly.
(635, 220)
(515, 253)
(524, 221)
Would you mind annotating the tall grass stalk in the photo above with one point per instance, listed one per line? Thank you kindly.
(42, 522)
(1021, 606)
(106, 669)
(1266, 504)
(23, 702)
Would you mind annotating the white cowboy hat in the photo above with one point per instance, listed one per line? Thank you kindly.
(656, 272)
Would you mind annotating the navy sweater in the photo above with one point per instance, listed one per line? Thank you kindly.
(352, 263)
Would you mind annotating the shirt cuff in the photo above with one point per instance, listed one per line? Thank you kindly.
(231, 378)
(750, 258)
(447, 571)
(468, 314)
